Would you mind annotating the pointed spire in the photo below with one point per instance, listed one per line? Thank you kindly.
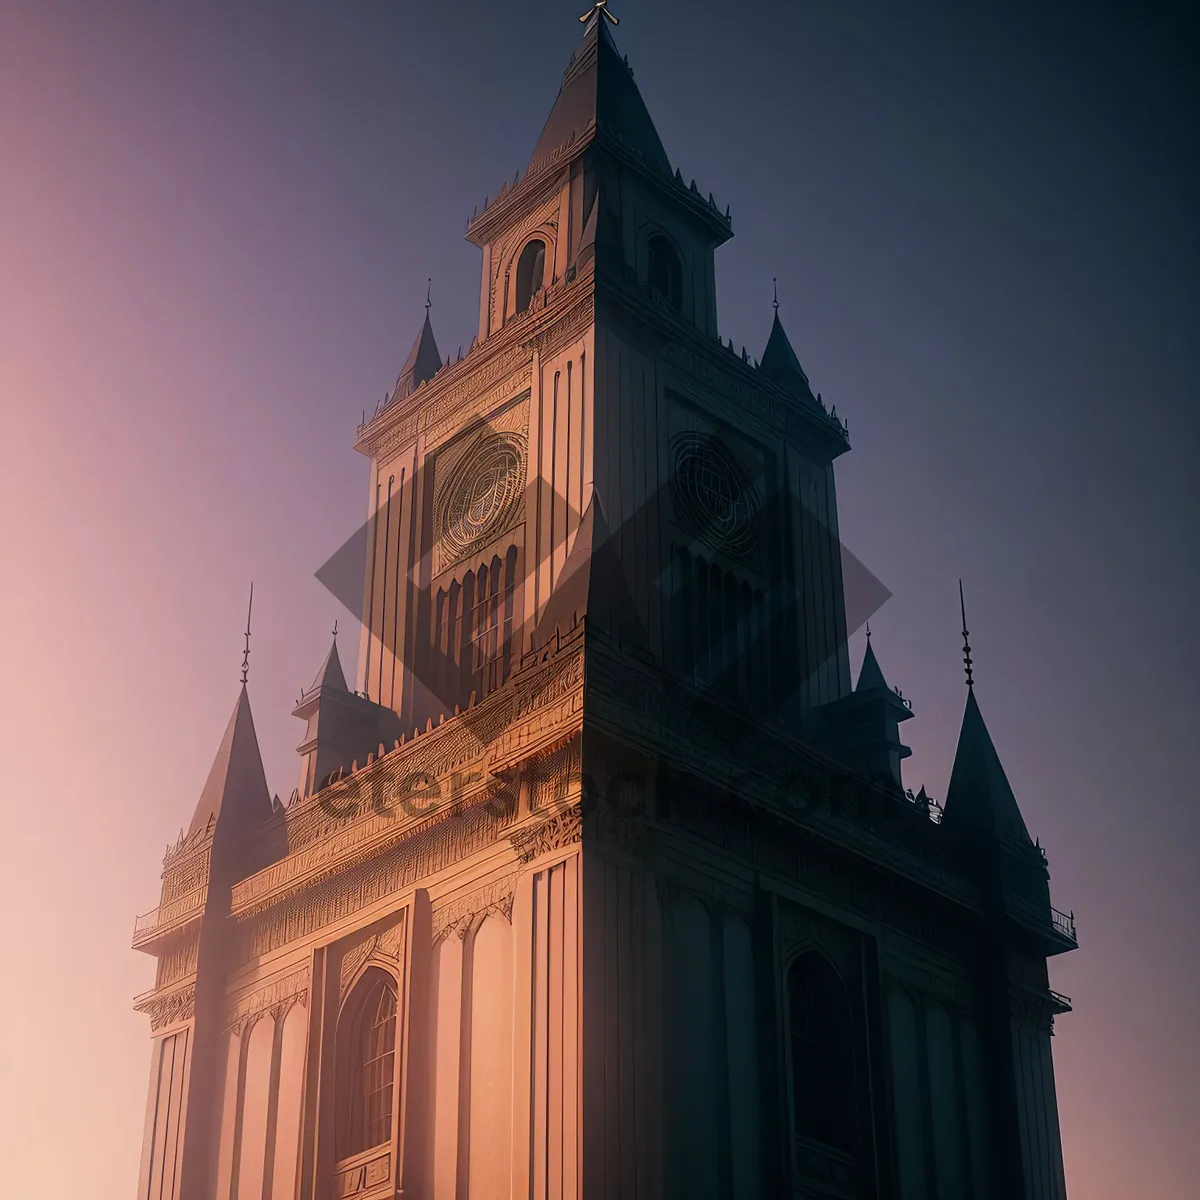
(871, 676)
(980, 799)
(779, 362)
(424, 359)
(330, 674)
(598, 95)
(235, 792)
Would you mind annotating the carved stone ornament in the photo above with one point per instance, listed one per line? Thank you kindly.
(714, 496)
(275, 996)
(483, 495)
(1032, 1008)
(348, 892)
(361, 1176)
(457, 915)
(561, 830)
(178, 960)
(386, 946)
(171, 1008)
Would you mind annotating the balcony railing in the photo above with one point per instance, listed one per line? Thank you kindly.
(1064, 923)
(144, 927)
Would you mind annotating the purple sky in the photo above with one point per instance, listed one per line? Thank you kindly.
(216, 224)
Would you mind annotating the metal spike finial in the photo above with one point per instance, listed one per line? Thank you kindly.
(775, 289)
(966, 639)
(335, 627)
(868, 633)
(246, 652)
(428, 292)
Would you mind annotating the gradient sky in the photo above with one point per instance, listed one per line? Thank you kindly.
(216, 223)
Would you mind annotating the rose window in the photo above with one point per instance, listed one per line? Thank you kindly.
(483, 492)
(714, 496)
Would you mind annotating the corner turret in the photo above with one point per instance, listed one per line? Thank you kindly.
(863, 729)
(343, 727)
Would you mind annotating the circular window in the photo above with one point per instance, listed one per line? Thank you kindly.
(714, 496)
(483, 492)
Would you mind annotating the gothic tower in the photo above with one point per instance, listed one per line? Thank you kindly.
(602, 881)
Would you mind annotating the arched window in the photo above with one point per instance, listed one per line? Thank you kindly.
(821, 1053)
(666, 271)
(531, 271)
(367, 1062)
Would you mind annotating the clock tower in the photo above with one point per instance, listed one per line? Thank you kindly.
(602, 881)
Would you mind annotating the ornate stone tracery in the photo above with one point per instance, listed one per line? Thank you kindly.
(385, 945)
(170, 1007)
(714, 496)
(483, 495)
(457, 915)
(559, 831)
(275, 995)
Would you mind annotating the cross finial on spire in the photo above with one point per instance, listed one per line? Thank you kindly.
(966, 640)
(246, 652)
(600, 8)
(775, 287)
(428, 292)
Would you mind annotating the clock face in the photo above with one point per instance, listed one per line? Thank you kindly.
(483, 493)
(714, 497)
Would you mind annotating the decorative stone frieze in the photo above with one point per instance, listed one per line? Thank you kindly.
(274, 995)
(178, 960)
(457, 914)
(556, 833)
(385, 945)
(352, 891)
(169, 1008)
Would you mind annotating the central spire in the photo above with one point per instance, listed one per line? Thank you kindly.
(598, 97)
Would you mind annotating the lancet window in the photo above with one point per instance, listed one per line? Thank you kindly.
(367, 1061)
(531, 271)
(666, 271)
(821, 1053)
(721, 623)
(472, 631)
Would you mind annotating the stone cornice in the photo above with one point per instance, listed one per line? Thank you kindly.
(464, 832)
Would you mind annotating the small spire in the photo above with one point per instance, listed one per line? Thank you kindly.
(966, 640)
(775, 286)
(428, 293)
(246, 652)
